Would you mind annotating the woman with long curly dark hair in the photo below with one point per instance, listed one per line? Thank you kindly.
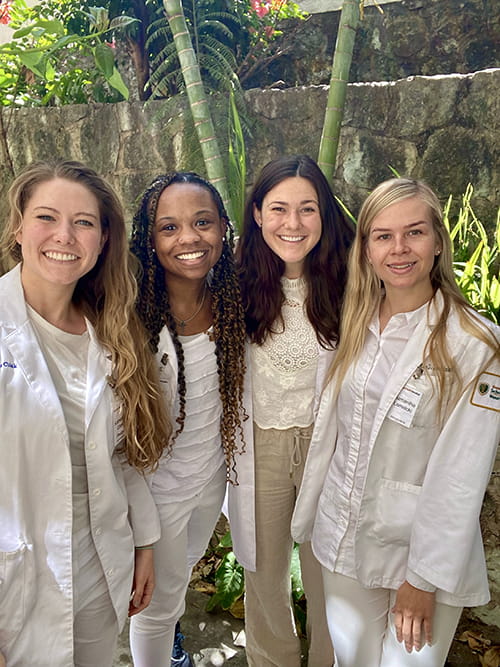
(190, 304)
(292, 257)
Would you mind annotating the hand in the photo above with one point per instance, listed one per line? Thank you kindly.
(144, 581)
(413, 613)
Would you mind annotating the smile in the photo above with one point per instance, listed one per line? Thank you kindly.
(292, 239)
(192, 255)
(60, 256)
(401, 266)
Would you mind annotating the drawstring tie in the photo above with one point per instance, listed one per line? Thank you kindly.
(296, 457)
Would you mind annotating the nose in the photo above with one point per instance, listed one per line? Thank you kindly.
(189, 235)
(400, 244)
(64, 232)
(293, 220)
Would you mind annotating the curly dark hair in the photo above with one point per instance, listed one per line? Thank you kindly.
(228, 317)
(260, 269)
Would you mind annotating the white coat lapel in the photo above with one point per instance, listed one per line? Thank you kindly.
(99, 370)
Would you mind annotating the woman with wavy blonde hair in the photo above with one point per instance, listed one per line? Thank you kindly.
(189, 301)
(81, 421)
(396, 476)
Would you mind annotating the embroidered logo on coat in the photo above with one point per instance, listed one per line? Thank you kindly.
(8, 364)
(486, 393)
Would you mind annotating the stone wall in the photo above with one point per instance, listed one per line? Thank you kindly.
(410, 37)
(444, 129)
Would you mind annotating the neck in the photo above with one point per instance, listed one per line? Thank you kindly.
(63, 315)
(394, 303)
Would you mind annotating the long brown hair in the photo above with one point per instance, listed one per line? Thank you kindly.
(260, 269)
(229, 326)
(106, 295)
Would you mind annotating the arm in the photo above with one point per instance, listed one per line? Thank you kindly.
(143, 581)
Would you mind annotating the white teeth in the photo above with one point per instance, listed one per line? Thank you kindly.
(191, 255)
(293, 239)
(401, 266)
(60, 256)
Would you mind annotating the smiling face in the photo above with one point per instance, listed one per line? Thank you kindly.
(402, 246)
(290, 220)
(187, 232)
(60, 234)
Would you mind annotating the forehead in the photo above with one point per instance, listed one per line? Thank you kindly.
(184, 196)
(294, 188)
(62, 192)
(403, 213)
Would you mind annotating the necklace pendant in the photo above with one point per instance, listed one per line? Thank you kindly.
(182, 324)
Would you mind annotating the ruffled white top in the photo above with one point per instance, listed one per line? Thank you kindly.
(284, 367)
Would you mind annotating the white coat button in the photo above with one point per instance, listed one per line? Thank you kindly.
(110, 572)
(98, 531)
(92, 445)
(97, 492)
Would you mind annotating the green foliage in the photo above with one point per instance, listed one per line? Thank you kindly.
(237, 167)
(229, 577)
(476, 257)
(45, 63)
(230, 38)
(212, 35)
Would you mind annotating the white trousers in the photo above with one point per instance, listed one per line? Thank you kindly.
(95, 625)
(186, 529)
(362, 628)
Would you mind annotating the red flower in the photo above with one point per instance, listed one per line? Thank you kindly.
(5, 11)
(260, 8)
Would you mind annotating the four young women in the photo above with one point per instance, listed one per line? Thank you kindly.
(389, 490)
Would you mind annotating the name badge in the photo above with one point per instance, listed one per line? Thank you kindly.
(486, 393)
(404, 407)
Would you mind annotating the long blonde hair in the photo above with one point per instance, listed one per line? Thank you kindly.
(107, 296)
(364, 291)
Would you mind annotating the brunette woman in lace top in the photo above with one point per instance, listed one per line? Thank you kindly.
(291, 258)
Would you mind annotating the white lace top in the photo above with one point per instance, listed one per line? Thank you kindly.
(284, 367)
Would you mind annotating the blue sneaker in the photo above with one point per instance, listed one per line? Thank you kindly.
(180, 657)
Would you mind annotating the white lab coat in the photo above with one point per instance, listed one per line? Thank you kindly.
(424, 486)
(36, 596)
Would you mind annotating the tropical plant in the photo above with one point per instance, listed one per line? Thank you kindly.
(476, 256)
(198, 101)
(45, 63)
(352, 11)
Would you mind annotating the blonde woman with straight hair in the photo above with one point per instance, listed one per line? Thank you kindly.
(81, 421)
(404, 442)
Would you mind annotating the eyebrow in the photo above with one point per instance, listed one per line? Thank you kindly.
(409, 226)
(285, 203)
(55, 210)
(203, 211)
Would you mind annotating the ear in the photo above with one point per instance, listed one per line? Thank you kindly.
(368, 254)
(104, 238)
(19, 235)
(257, 215)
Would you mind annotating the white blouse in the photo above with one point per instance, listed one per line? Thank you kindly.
(358, 400)
(197, 452)
(284, 367)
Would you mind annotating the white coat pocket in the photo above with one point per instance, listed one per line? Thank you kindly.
(17, 591)
(395, 508)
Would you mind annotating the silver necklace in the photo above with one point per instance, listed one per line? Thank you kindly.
(182, 322)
